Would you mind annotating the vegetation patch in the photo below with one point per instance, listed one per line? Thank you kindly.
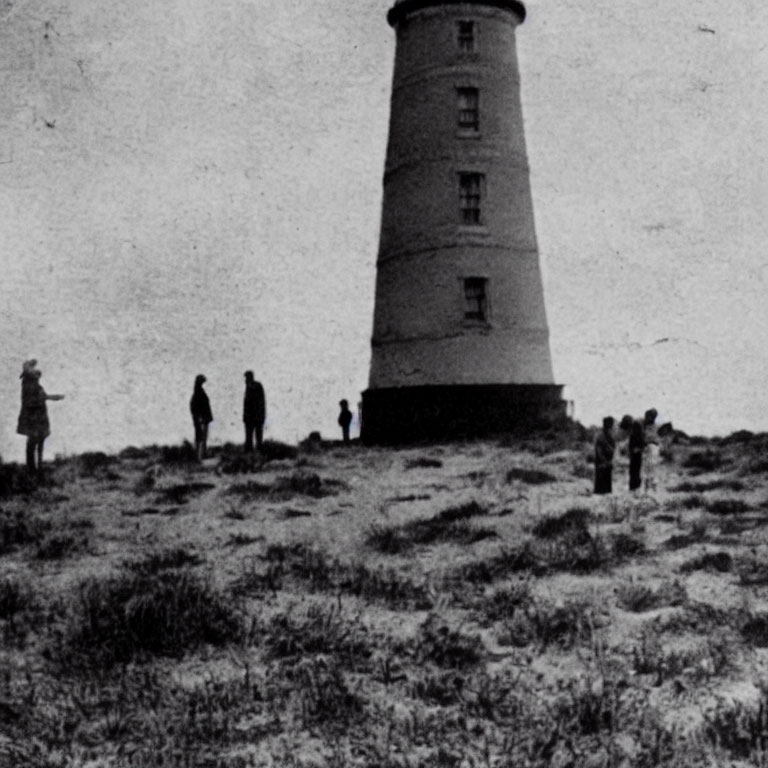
(174, 455)
(57, 545)
(133, 615)
(14, 598)
(543, 624)
(286, 487)
(639, 598)
(704, 461)
(530, 476)
(423, 462)
(94, 463)
(311, 568)
(15, 479)
(573, 524)
(446, 647)
(20, 528)
(752, 569)
(164, 560)
(711, 485)
(181, 493)
(720, 562)
(319, 629)
(450, 525)
(692, 501)
(728, 507)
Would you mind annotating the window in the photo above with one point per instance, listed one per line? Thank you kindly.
(469, 111)
(466, 36)
(475, 298)
(469, 197)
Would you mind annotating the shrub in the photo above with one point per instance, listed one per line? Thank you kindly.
(134, 453)
(502, 604)
(755, 630)
(739, 729)
(93, 463)
(447, 647)
(180, 493)
(721, 562)
(704, 461)
(544, 624)
(423, 462)
(447, 526)
(13, 598)
(15, 479)
(530, 476)
(273, 450)
(712, 485)
(321, 692)
(299, 483)
(572, 523)
(20, 528)
(163, 560)
(131, 615)
(60, 544)
(639, 598)
(728, 507)
(320, 629)
(687, 502)
(752, 569)
(178, 454)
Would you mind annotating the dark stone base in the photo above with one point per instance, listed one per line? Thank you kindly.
(403, 415)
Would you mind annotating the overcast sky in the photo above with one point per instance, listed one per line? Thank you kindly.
(195, 186)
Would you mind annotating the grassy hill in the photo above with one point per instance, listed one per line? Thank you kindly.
(452, 605)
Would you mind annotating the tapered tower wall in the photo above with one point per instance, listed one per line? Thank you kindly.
(455, 123)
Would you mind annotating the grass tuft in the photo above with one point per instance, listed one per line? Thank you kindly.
(130, 616)
(530, 476)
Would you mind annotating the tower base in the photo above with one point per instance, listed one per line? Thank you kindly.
(401, 415)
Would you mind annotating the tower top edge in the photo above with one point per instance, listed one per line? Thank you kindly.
(402, 8)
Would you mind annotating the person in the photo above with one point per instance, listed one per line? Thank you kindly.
(33, 417)
(345, 419)
(636, 432)
(254, 412)
(651, 449)
(200, 407)
(605, 447)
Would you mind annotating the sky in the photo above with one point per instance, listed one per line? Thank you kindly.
(190, 186)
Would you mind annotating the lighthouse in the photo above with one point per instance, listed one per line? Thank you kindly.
(460, 344)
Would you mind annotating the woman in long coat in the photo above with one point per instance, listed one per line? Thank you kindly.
(33, 417)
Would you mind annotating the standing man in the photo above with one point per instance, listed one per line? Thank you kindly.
(605, 446)
(345, 419)
(254, 412)
(636, 430)
(200, 406)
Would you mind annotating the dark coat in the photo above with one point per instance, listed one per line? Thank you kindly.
(200, 407)
(254, 403)
(345, 418)
(33, 417)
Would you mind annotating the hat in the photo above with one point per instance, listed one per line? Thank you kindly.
(27, 367)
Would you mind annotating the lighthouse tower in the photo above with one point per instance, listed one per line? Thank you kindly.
(460, 341)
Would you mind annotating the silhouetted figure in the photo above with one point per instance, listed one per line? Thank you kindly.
(200, 407)
(33, 417)
(345, 419)
(605, 447)
(636, 446)
(651, 450)
(254, 412)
